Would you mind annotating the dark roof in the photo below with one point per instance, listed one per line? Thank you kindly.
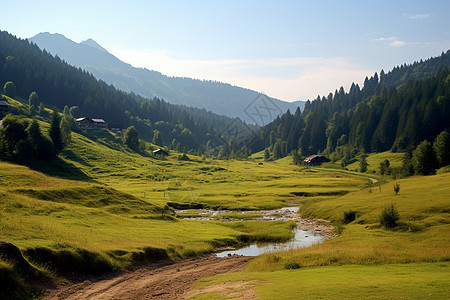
(315, 157)
(160, 151)
(91, 120)
(81, 119)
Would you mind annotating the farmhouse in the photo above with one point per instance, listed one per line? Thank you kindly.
(160, 152)
(315, 160)
(89, 124)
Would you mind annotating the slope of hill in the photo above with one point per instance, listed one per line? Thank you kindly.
(59, 84)
(220, 98)
(395, 111)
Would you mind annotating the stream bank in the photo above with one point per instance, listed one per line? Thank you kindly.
(307, 232)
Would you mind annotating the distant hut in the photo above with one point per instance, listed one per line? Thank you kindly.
(160, 152)
(89, 124)
(315, 160)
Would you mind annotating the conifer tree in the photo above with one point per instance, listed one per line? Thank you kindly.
(131, 138)
(424, 159)
(442, 148)
(55, 131)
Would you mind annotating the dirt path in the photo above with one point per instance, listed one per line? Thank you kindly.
(172, 281)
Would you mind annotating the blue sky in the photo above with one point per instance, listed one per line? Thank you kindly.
(292, 50)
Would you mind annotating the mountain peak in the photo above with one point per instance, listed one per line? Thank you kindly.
(91, 43)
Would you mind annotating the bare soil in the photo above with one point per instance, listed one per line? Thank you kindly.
(166, 280)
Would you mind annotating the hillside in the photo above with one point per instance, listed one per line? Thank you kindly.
(220, 98)
(117, 215)
(395, 111)
(100, 207)
(59, 84)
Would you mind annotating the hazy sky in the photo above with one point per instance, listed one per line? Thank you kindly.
(292, 50)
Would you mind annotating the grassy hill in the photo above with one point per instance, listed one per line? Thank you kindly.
(102, 207)
(366, 260)
(374, 160)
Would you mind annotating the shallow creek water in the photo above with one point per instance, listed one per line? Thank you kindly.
(302, 238)
(307, 232)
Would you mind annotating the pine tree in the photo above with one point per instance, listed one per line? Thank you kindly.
(424, 159)
(363, 164)
(55, 131)
(442, 148)
(66, 129)
(266, 154)
(277, 151)
(131, 138)
(40, 145)
(157, 138)
(33, 99)
(42, 112)
(10, 89)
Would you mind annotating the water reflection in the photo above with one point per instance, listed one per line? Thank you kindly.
(301, 239)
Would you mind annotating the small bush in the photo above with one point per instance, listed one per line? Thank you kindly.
(397, 188)
(349, 216)
(291, 265)
(389, 216)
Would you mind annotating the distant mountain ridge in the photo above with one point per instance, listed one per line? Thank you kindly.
(220, 98)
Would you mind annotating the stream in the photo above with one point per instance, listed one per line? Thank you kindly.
(307, 233)
(301, 239)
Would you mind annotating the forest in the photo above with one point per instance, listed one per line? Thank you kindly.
(58, 84)
(392, 111)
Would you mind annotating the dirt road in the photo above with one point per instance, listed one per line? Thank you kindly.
(170, 281)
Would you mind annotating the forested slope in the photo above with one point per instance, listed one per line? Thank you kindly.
(59, 84)
(395, 110)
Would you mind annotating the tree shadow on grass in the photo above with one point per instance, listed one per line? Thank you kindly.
(69, 154)
(59, 168)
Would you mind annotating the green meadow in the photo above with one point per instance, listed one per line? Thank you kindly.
(102, 207)
(366, 260)
(102, 198)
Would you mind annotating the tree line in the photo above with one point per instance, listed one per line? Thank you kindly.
(394, 111)
(58, 84)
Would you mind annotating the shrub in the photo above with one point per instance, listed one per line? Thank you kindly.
(397, 188)
(291, 265)
(349, 216)
(389, 216)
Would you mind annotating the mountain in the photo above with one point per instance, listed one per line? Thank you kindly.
(60, 84)
(220, 98)
(93, 44)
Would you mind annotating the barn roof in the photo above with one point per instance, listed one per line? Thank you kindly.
(315, 156)
(160, 151)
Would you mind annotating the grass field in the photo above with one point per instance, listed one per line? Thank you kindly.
(213, 183)
(366, 260)
(374, 160)
(393, 281)
(101, 207)
(100, 198)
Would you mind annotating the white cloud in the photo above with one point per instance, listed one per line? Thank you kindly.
(393, 41)
(284, 78)
(382, 39)
(418, 16)
(397, 43)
